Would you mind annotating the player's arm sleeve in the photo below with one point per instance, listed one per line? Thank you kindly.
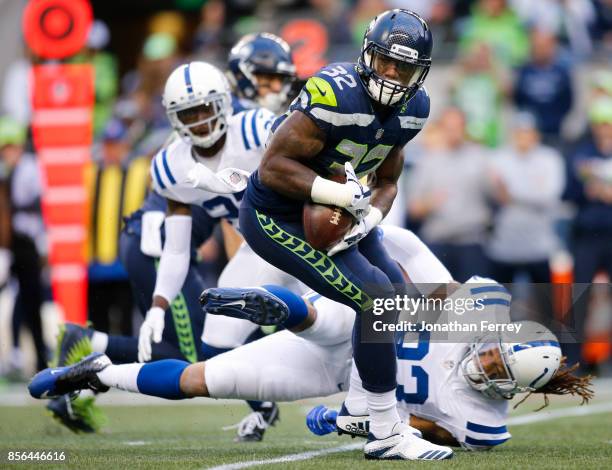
(263, 124)
(174, 262)
(480, 437)
(160, 179)
(169, 177)
(476, 422)
(255, 125)
(489, 301)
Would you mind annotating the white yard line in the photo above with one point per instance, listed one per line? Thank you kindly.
(136, 443)
(289, 458)
(514, 421)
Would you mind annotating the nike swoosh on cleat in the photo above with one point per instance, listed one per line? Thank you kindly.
(55, 371)
(240, 303)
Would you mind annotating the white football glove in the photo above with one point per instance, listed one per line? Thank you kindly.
(358, 232)
(150, 331)
(226, 181)
(360, 205)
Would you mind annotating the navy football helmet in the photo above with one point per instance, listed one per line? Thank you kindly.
(395, 56)
(261, 53)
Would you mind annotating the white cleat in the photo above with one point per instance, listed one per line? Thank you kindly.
(404, 445)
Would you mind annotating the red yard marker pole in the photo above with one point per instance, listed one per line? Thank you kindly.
(62, 109)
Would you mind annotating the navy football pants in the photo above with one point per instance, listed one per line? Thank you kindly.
(353, 277)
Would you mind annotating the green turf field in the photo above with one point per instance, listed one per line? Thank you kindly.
(185, 437)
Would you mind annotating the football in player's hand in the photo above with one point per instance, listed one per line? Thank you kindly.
(324, 226)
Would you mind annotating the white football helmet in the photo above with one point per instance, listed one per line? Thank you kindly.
(500, 367)
(193, 85)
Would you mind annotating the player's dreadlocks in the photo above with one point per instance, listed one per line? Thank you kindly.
(564, 382)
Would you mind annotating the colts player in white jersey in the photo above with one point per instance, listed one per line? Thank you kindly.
(198, 179)
(211, 141)
(455, 393)
(316, 361)
(207, 167)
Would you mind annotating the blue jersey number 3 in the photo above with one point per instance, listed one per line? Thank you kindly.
(224, 206)
(422, 378)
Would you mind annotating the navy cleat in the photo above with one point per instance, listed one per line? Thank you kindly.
(404, 444)
(321, 420)
(57, 381)
(255, 304)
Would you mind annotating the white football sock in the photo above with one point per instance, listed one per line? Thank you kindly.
(122, 376)
(356, 401)
(383, 413)
(99, 341)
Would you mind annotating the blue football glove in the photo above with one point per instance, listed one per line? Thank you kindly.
(321, 420)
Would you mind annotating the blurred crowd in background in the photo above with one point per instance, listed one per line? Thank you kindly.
(511, 177)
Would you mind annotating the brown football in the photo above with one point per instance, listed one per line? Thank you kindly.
(324, 226)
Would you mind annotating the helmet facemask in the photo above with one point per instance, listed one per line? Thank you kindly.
(272, 101)
(486, 368)
(410, 72)
(185, 119)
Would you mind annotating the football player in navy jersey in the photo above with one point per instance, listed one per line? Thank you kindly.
(356, 118)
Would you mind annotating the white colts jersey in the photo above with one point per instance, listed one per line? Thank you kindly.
(431, 385)
(170, 168)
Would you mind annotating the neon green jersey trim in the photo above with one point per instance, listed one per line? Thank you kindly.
(322, 263)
